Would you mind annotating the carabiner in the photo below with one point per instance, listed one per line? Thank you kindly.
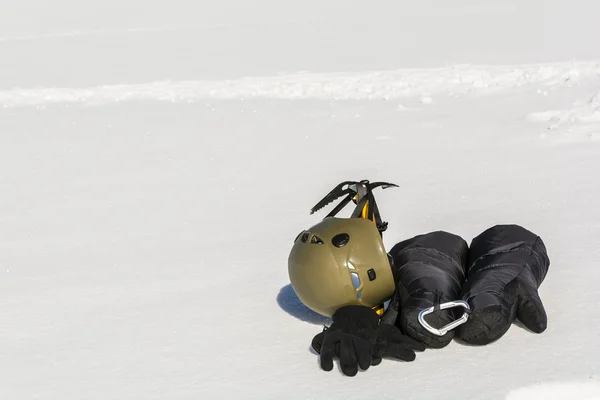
(442, 331)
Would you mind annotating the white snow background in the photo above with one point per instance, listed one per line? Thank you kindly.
(157, 159)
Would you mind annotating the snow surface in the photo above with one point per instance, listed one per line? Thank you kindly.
(158, 159)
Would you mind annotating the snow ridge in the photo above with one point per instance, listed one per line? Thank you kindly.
(582, 111)
(451, 80)
(581, 121)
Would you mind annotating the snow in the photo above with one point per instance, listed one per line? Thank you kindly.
(157, 161)
(380, 85)
(558, 390)
(580, 121)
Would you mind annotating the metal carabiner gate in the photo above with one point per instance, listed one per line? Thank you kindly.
(442, 331)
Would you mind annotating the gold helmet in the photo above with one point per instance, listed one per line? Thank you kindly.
(342, 261)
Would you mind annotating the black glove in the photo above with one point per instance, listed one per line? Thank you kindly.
(392, 343)
(507, 264)
(356, 338)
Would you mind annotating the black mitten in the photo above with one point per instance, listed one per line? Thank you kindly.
(357, 340)
(429, 270)
(507, 265)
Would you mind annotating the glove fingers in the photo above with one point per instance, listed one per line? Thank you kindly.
(395, 335)
(317, 342)
(413, 344)
(348, 361)
(363, 353)
(376, 360)
(379, 349)
(398, 337)
(327, 351)
(399, 351)
(532, 313)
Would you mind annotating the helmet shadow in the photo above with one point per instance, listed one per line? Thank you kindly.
(291, 304)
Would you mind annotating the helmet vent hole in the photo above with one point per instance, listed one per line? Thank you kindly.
(305, 236)
(298, 237)
(317, 240)
(355, 280)
(350, 265)
(358, 294)
(340, 240)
